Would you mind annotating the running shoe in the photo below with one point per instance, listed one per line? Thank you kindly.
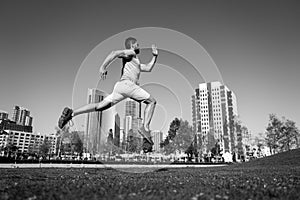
(145, 134)
(65, 117)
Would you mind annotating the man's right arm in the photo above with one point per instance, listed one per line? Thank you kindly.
(115, 54)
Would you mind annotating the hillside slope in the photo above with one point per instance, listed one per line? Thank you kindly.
(290, 158)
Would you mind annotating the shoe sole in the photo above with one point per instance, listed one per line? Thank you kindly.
(147, 147)
(66, 112)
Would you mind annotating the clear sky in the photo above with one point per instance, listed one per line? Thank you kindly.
(255, 45)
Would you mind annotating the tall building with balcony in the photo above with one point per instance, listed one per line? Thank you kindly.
(21, 116)
(21, 120)
(97, 124)
(214, 109)
(15, 114)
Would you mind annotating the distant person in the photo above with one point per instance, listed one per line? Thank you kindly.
(126, 87)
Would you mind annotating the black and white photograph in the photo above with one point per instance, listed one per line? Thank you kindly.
(149, 99)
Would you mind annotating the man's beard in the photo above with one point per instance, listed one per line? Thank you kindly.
(137, 51)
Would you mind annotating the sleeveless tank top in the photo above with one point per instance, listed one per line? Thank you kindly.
(131, 69)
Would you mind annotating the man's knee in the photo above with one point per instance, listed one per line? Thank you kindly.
(153, 100)
(150, 100)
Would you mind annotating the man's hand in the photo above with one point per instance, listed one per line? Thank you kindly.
(154, 50)
(148, 67)
(103, 74)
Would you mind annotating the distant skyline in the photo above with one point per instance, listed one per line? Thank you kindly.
(255, 45)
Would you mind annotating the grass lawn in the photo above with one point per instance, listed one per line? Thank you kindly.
(274, 177)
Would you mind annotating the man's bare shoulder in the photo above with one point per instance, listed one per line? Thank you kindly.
(125, 53)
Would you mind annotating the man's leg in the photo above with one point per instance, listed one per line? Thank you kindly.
(108, 101)
(112, 99)
(141, 95)
(101, 106)
(135, 92)
(68, 113)
(148, 112)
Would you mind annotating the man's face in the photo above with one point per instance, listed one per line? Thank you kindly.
(135, 47)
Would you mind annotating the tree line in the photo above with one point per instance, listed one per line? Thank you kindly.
(281, 134)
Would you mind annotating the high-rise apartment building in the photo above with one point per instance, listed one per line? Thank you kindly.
(214, 109)
(14, 124)
(21, 116)
(117, 131)
(157, 138)
(127, 125)
(97, 123)
(15, 114)
(131, 108)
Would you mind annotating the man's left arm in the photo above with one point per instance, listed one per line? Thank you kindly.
(148, 67)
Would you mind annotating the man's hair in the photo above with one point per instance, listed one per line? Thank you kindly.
(129, 41)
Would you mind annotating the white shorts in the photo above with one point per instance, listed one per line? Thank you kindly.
(127, 89)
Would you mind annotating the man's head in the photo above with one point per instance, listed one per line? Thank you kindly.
(131, 43)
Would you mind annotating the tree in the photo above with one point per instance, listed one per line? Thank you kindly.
(237, 138)
(68, 141)
(192, 149)
(216, 150)
(174, 126)
(181, 138)
(134, 142)
(33, 146)
(238, 130)
(45, 148)
(76, 143)
(60, 136)
(2, 148)
(282, 135)
(288, 136)
(10, 148)
(273, 133)
(109, 146)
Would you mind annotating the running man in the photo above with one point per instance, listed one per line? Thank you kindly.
(126, 87)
